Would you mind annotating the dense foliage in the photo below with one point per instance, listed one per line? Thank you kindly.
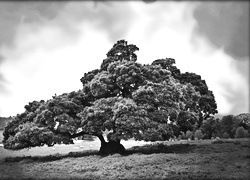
(128, 99)
(227, 126)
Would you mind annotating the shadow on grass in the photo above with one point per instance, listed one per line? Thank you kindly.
(146, 149)
(162, 148)
(53, 157)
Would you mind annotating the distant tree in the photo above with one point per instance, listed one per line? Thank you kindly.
(122, 97)
(211, 127)
(227, 123)
(241, 132)
(243, 120)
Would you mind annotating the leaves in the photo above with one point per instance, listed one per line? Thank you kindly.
(120, 51)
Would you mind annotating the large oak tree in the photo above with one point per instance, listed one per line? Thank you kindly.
(124, 98)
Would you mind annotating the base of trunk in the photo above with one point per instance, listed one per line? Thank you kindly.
(111, 147)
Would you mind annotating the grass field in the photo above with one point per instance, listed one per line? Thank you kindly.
(168, 160)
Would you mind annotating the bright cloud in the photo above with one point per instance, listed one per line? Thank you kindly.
(45, 62)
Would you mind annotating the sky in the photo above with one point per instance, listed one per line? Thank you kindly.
(47, 46)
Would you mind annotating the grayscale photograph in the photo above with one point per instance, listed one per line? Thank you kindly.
(124, 90)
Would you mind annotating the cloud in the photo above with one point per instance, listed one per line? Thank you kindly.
(111, 17)
(56, 43)
(43, 40)
(225, 24)
(14, 14)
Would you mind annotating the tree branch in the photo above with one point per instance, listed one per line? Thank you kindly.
(99, 135)
(101, 138)
(78, 134)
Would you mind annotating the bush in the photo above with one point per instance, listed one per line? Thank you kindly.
(246, 133)
(198, 134)
(189, 135)
(240, 132)
(225, 135)
(182, 135)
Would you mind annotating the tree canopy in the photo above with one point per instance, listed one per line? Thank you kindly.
(128, 99)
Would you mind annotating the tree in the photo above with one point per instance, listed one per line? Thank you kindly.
(241, 132)
(227, 123)
(243, 120)
(122, 97)
(210, 127)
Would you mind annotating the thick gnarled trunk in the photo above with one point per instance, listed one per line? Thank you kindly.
(111, 147)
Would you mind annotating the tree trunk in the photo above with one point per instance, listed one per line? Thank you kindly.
(111, 147)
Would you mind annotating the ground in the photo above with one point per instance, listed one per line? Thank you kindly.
(202, 159)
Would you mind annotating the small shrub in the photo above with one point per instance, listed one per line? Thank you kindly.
(225, 135)
(179, 138)
(182, 135)
(198, 134)
(189, 135)
(246, 133)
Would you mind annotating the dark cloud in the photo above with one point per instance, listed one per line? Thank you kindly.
(116, 21)
(113, 18)
(149, 1)
(225, 24)
(12, 14)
